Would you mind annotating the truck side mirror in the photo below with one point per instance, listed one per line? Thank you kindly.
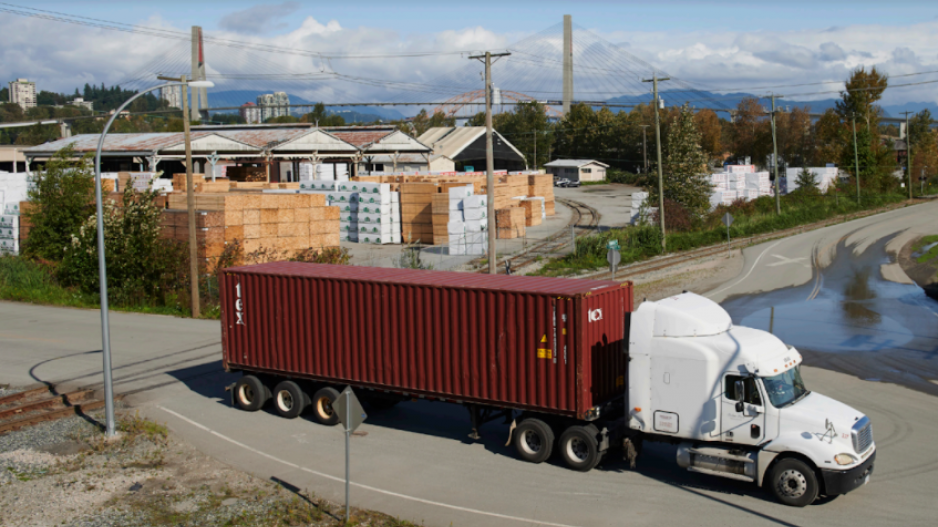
(739, 407)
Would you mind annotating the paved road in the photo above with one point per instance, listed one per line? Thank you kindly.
(415, 461)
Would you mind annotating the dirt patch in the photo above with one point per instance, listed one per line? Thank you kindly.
(924, 274)
(146, 477)
(698, 276)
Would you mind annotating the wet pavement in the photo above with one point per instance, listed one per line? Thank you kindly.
(850, 319)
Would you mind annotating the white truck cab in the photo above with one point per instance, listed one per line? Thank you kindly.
(733, 399)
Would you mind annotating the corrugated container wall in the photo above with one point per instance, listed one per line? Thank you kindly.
(549, 344)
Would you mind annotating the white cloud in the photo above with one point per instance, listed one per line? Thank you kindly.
(707, 59)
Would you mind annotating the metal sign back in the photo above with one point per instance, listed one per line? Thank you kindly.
(613, 257)
(349, 409)
(727, 219)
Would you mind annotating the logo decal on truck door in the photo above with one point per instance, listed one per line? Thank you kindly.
(239, 307)
(595, 314)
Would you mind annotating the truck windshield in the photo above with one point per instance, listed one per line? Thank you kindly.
(785, 388)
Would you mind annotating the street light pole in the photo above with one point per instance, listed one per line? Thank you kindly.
(102, 267)
(645, 147)
(654, 79)
(908, 151)
(490, 156)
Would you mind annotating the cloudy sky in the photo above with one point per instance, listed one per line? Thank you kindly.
(732, 46)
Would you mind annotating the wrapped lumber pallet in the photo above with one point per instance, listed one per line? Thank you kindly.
(510, 222)
(417, 212)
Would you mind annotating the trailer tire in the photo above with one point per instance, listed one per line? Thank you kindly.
(793, 482)
(322, 406)
(289, 399)
(579, 447)
(250, 393)
(534, 440)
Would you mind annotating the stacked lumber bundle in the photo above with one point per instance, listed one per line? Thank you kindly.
(417, 212)
(281, 222)
(219, 185)
(533, 211)
(542, 185)
(510, 222)
(179, 182)
(248, 185)
(246, 174)
(441, 217)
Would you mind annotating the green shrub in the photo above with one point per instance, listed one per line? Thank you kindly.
(62, 199)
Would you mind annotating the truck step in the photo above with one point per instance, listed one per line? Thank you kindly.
(729, 475)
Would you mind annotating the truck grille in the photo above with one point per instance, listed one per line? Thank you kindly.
(862, 435)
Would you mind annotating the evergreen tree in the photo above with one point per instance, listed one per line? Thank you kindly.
(806, 182)
(685, 167)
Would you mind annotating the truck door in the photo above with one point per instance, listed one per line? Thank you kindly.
(742, 417)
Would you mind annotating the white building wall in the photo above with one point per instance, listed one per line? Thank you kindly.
(23, 92)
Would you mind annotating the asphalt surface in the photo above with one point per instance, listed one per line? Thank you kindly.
(416, 461)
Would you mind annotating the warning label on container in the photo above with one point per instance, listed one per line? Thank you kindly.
(544, 353)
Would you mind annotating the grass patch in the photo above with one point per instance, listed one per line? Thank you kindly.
(758, 217)
(931, 253)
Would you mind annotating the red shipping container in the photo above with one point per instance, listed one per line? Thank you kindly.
(553, 345)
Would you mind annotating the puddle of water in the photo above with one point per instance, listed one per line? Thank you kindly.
(859, 323)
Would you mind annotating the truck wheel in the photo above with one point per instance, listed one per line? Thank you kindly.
(289, 399)
(580, 448)
(534, 440)
(322, 406)
(793, 482)
(250, 393)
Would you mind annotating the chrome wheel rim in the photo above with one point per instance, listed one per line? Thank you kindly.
(324, 405)
(792, 484)
(246, 395)
(577, 449)
(530, 442)
(285, 400)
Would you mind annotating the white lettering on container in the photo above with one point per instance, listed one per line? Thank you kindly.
(239, 307)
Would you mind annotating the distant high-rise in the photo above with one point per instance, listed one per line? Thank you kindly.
(275, 104)
(172, 96)
(23, 93)
(250, 113)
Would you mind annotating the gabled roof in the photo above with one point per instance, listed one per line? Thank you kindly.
(211, 142)
(121, 143)
(576, 163)
(450, 141)
(397, 141)
(315, 140)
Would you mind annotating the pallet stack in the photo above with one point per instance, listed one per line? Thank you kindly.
(281, 222)
(441, 217)
(534, 212)
(542, 185)
(14, 189)
(417, 212)
(510, 223)
(246, 174)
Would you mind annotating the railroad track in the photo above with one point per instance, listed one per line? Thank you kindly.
(663, 262)
(38, 405)
(583, 221)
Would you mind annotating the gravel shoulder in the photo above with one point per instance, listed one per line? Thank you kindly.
(65, 473)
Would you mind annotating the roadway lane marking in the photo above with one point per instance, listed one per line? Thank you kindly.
(359, 485)
(786, 261)
(751, 269)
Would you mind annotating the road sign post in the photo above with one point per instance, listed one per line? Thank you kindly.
(351, 415)
(727, 220)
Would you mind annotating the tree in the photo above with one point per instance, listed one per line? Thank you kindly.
(806, 183)
(748, 123)
(919, 128)
(925, 157)
(685, 168)
(322, 116)
(283, 119)
(711, 133)
(62, 200)
(876, 162)
(830, 140)
(423, 122)
(863, 89)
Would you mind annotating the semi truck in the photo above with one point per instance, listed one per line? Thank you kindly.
(570, 365)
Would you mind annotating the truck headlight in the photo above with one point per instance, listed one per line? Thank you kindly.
(845, 459)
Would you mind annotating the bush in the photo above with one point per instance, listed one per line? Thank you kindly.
(61, 199)
(677, 218)
(142, 267)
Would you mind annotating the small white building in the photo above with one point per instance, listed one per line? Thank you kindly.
(82, 103)
(582, 170)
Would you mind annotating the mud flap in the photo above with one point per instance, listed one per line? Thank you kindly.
(231, 392)
(631, 448)
(511, 430)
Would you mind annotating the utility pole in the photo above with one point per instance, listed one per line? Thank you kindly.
(654, 79)
(490, 156)
(778, 199)
(190, 200)
(856, 155)
(908, 151)
(645, 147)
